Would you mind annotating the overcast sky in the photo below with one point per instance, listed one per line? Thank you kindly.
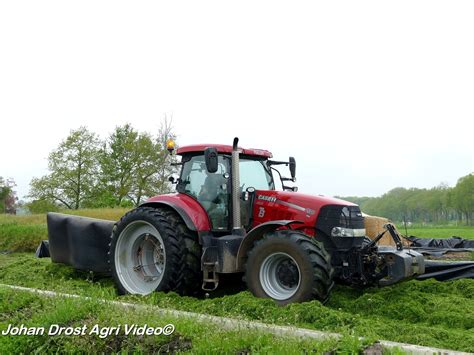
(367, 95)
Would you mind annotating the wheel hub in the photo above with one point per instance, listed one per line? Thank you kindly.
(140, 258)
(280, 276)
(287, 273)
(149, 250)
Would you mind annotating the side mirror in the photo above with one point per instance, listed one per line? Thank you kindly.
(293, 167)
(210, 155)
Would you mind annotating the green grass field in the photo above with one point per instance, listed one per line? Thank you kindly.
(427, 313)
(439, 231)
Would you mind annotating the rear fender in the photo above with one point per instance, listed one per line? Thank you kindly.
(191, 211)
(256, 234)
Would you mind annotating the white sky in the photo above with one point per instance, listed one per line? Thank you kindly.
(367, 95)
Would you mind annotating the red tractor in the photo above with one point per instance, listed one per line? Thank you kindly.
(226, 217)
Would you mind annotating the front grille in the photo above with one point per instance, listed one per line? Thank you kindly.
(339, 216)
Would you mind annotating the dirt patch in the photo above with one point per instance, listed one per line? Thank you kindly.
(177, 344)
(374, 349)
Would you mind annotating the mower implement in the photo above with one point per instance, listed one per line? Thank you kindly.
(226, 217)
(80, 242)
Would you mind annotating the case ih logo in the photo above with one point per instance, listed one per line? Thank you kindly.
(267, 198)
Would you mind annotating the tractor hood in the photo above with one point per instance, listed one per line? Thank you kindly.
(300, 201)
(277, 205)
(311, 200)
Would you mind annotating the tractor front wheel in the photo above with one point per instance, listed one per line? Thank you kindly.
(289, 266)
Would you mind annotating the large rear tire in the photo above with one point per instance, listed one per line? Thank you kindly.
(288, 267)
(150, 251)
(192, 274)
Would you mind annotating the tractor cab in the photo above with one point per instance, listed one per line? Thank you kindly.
(206, 175)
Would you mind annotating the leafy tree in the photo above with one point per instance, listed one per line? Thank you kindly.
(73, 171)
(118, 160)
(144, 179)
(154, 165)
(4, 192)
(8, 198)
(134, 166)
(463, 197)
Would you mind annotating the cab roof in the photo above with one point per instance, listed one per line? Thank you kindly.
(222, 148)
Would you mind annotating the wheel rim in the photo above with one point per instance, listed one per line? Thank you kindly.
(280, 276)
(140, 258)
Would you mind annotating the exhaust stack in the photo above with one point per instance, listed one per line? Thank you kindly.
(236, 222)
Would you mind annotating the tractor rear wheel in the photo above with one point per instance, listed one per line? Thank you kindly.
(192, 274)
(149, 252)
(289, 266)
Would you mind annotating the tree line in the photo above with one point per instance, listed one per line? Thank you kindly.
(88, 172)
(440, 204)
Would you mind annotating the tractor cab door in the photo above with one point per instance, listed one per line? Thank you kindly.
(254, 175)
(212, 190)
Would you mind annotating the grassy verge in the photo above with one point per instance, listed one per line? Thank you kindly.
(31, 310)
(427, 313)
(24, 233)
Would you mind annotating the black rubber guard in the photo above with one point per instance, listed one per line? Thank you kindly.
(80, 242)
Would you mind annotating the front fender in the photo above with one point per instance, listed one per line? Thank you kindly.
(256, 234)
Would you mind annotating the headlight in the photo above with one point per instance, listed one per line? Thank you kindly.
(347, 232)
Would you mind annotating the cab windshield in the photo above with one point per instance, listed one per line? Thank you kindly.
(254, 173)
